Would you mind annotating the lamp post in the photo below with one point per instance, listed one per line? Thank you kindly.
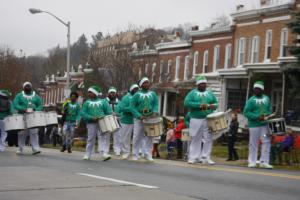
(67, 24)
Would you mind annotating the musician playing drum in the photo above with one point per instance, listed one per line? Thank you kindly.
(257, 108)
(92, 110)
(113, 102)
(200, 103)
(28, 101)
(144, 104)
(6, 109)
(126, 121)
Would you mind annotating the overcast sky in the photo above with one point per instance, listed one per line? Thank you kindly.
(34, 34)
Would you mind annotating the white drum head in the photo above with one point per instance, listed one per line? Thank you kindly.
(216, 114)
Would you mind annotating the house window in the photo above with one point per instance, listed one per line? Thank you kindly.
(268, 45)
(284, 42)
(169, 66)
(196, 62)
(146, 69)
(227, 62)
(241, 51)
(177, 68)
(153, 71)
(186, 67)
(255, 50)
(205, 62)
(216, 57)
(161, 70)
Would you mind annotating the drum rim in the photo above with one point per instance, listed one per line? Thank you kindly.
(215, 114)
(159, 120)
(277, 119)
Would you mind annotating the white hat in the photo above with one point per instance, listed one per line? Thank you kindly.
(143, 80)
(26, 83)
(133, 86)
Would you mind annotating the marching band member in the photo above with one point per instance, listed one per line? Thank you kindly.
(126, 121)
(28, 101)
(257, 108)
(6, 108)
(200, 102)
(72, 111)
(144, 104)
(92, 110)
(113, 102)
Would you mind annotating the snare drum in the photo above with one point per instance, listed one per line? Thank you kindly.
(108, 124)
(14, 122)
(35, 119)
(217, 122)
(277, 126)
(51, 118)
(185, 136)
(153, 127)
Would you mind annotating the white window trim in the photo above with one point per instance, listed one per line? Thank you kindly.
(228, 50)
(195, 63)
(153, 71)
(267, 44)
(216, 57)
(205, 60)
(186, 67)
(282, 40)
(177, 68)
(241, 50)
(169, 66)
(146, 69)
(255, 49)
(161, 70)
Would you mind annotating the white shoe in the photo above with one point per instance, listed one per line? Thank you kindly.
(252, 165)
(265, 166)
(135, 158)
(149, 158)
(19, 152)
(86, 157)
(200, 160)
(117, 153)
(106, 157)
(125, 156)
(208, 161)
(190, 161)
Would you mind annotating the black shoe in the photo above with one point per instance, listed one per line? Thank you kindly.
(69, 150)
(229, 159)
(36, 152)
(236, 159)
(63, 149)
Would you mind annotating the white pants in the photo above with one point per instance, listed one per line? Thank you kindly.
(138, 139)
(93, 132)
(125, 133)
(34, 139)
(117, 141)
(3, 136)
(104, 146)
(256, 134)
(202, 140)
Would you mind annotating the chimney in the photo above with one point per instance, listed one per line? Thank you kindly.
(213, 25)
(239, 7)
(195, 28)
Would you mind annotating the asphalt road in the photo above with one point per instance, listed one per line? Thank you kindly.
(54, 175)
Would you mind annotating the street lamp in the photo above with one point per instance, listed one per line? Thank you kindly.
(35, 11)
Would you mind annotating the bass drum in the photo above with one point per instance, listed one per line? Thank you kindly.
(35, 119)
(153, 127)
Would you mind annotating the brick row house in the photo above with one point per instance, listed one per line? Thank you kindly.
(254, 46)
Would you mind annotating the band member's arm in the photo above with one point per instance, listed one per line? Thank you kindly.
(134, 108)
(189, 103)
(118, 108)
(106, 108)
(126, 105)
(214, 104)
(78, 114)
(85, 115)
(11, 108)
(248, 111)
(39, 104)
(155, 103)
(17, 104)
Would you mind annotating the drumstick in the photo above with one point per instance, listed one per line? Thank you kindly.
(270, 116)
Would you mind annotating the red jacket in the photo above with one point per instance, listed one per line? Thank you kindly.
(179, 128)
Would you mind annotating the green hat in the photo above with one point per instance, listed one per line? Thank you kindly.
(200, 79)
(133, 86)
(259, 84)
(95, 89)
(5, 93)
(112, 89)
